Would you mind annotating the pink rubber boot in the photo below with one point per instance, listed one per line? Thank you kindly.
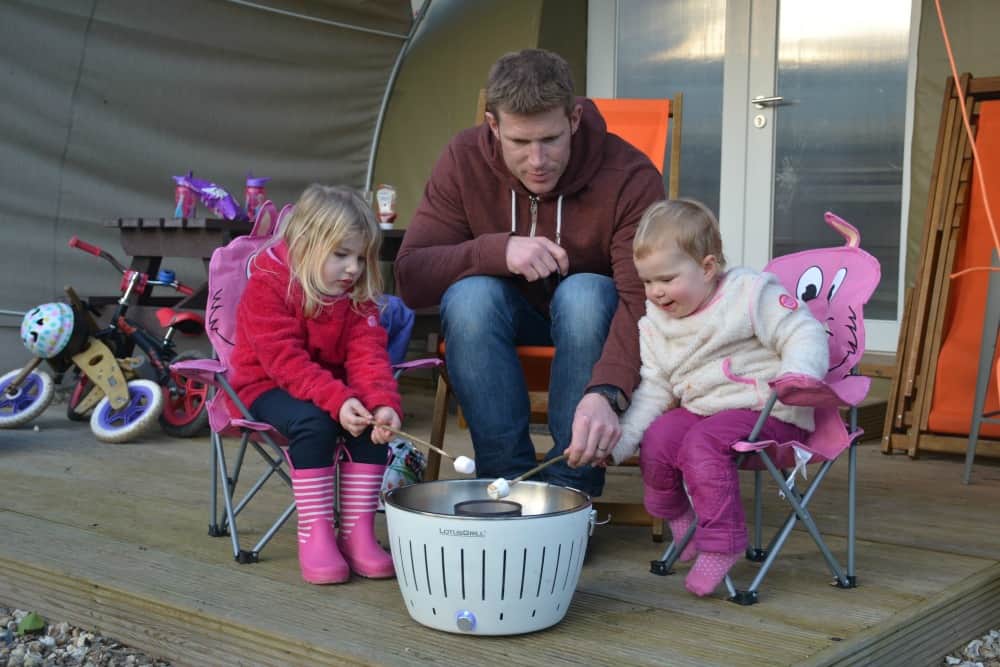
(319, 558)
(678, 528)
(360, 484)
(708, 571)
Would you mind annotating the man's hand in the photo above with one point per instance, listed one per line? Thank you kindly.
(384, 415)
(595, 431)
(535, 257)
(354, 416)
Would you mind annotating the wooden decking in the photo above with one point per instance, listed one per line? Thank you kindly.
(114, 537)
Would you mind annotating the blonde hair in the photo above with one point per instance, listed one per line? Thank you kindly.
(688, 223)
(323, 218)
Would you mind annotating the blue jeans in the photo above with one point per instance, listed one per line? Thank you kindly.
(483, 319)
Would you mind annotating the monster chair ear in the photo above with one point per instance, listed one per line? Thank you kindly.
(850, 233)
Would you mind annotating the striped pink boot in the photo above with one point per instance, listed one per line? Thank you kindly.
(360, 484)
(319, 558)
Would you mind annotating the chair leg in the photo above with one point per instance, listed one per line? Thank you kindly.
(852, 467)
(665, 565)
(227, 497)
(656, 529)
(275, 464)
(438, 424)
(755, 553)
(214, 530)
(800, 512)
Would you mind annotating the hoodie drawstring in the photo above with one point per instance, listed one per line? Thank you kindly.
(513, 217)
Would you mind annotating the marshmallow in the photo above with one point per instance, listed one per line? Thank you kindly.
(498, 488)
(465, 465)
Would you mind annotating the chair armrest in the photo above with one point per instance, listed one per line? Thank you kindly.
(203, 370)
(799, 389)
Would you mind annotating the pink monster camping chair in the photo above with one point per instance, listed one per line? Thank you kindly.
(834, 283)
(228, 273)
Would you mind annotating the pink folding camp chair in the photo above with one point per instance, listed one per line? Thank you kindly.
(228, 273)
(834, 283)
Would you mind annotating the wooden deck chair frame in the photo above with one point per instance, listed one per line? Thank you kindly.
(926, 302)
(536, 360)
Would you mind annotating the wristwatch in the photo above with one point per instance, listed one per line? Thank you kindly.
(614, 396)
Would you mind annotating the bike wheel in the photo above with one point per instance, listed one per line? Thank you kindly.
(80, 389)
(28, 401)
(185, 414)
(145, 402)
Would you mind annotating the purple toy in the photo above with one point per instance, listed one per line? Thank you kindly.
(214, 197)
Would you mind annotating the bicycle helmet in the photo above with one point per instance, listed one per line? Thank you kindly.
(46, 329)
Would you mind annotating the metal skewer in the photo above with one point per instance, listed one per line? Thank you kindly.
(537, 469)
(408, 436)
(500, 487)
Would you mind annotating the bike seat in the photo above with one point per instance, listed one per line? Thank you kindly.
(184, 321)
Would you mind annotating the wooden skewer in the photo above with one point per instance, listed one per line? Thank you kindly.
(404, 434)
(537, 469)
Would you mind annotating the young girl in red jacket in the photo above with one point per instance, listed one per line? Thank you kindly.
(310, 359)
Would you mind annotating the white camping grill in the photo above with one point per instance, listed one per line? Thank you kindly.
(479, 569)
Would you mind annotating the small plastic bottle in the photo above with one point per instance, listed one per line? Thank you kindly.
(185, 201)
(385, 202)
(255, 195)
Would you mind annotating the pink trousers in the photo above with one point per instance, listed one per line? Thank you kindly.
(681, 448)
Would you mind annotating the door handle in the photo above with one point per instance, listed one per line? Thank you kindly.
(762, 101)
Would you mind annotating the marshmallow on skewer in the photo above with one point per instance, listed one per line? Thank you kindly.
(465, 465)
(498, 488)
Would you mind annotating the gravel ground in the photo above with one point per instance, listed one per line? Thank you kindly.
(63, 644)
(982, 652)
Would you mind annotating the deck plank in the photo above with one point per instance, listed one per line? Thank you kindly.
(114, 537)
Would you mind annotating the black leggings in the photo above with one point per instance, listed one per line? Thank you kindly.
(313, 435)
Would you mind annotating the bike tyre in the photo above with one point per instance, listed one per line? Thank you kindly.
(187, 422)
(31, 400)
(143, 409)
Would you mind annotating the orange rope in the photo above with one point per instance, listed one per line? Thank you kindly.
(976, 162)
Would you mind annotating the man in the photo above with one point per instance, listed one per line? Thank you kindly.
(524, 236)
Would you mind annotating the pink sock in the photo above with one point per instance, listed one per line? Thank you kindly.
(678, 528)
(708, 571)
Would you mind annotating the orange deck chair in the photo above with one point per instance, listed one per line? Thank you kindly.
(644, 124)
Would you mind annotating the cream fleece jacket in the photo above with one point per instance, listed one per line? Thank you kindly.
(722, 356)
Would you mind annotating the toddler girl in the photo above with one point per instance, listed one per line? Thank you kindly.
(310, 359)
(710, 341)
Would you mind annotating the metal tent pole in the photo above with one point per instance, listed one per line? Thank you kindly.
(377, 133)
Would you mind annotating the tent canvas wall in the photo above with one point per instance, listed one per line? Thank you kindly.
(103, 101)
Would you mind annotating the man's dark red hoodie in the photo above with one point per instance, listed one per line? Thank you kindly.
(463, 222)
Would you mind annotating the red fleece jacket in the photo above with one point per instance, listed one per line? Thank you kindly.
(463, 222)
(327, 359)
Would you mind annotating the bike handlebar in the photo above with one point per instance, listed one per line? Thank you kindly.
(79, 244)
(75, 242)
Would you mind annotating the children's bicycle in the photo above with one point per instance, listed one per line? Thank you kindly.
(106, 383)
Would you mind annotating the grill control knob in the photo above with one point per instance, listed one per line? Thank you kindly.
(465, 620)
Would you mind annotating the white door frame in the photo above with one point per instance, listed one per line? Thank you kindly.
(745, 201)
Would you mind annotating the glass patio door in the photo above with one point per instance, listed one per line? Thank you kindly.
(827, 131)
